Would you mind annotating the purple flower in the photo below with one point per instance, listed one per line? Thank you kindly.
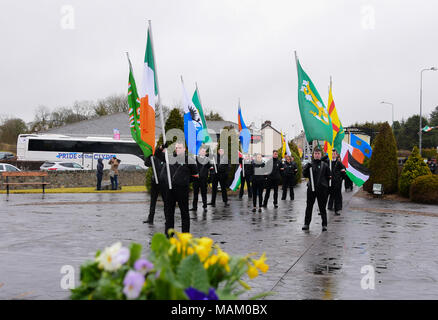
(194, 294)
(143, 266)
(123, 255)
(133, 283)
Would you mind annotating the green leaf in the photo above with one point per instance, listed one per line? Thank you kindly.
(191, 273)
(160, 244)
(90, 271)
(134, 253)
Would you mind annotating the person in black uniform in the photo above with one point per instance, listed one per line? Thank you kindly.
(289, 170)
(182, 171)
(248, 169)
(335, 190)
(273, 178)
(203, 164)
(155, 186)
(348, 184)
(220, 177)
(258, 182)
(99, 173)
(321, 176)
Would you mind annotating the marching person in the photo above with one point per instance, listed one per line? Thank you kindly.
(220, 177)
(273, 179)
(258, 182)
(182, 171)
(99, 173)
(203, 164)
(155, 185)
(114, 172)
(335, 190)
(289, 171)
(249, 172)
(321, 176)
(348, 184)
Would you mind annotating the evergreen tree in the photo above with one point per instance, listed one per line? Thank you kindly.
(413, 168)
(383, 163)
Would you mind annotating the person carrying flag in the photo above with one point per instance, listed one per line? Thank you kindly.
(335, 190)
(246, 176)
(273, 178)
(182, 170)
(155, 185)
(321, 177)
(204, 165)
(289, 170)
(221, 177)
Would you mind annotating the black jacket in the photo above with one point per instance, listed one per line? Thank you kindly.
(99, 166)
(222, 166)
(203, 164)
(248, 167)
(182, 170)
(338, 172)
(321, 174)
(276, 165)
(158, 163)
(289, 169)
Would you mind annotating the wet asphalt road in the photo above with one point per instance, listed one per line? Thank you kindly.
(398, 240)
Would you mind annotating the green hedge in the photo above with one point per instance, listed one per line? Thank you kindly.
(413, 168)
(383, 164)
(424, 189)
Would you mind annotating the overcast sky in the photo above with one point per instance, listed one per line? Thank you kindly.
(56, 52)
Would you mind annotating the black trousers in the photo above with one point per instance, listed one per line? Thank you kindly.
(248, 180)
(178, 195)
(99, 181)
(321, 196)
(257, 191)
(271, 184)
(200, 184)
(288, 183)
(222, 179)
(155, 191)
(348, 183)
(335, 197)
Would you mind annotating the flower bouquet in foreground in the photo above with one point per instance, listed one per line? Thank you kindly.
(181, 267)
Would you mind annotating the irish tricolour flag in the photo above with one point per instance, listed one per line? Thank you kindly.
(236, 182)
(148, 95)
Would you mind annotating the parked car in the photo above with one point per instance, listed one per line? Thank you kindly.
(61, 166)
(129, 167)
(8, 167)
(6, 156)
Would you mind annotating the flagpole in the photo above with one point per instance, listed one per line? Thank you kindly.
(152, 156)
(330, 158)
(163, 130)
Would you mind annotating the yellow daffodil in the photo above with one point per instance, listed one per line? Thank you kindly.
(205, 242)
(202, 252)
(252, 272)
(223, 258)
(190, 251)
(184, 238)
(260, 263)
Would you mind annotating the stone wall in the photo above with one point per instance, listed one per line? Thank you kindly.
(76, 179)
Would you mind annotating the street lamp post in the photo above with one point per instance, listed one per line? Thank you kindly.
(392, 106)
(421, 98)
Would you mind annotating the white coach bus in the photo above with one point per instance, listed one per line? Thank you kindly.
(83, 150)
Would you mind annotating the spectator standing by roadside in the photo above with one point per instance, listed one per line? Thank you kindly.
(99, 174)
(114, 172)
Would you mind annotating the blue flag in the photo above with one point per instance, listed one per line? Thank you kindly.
(362, 145)
(244, 134)
(192, 124)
